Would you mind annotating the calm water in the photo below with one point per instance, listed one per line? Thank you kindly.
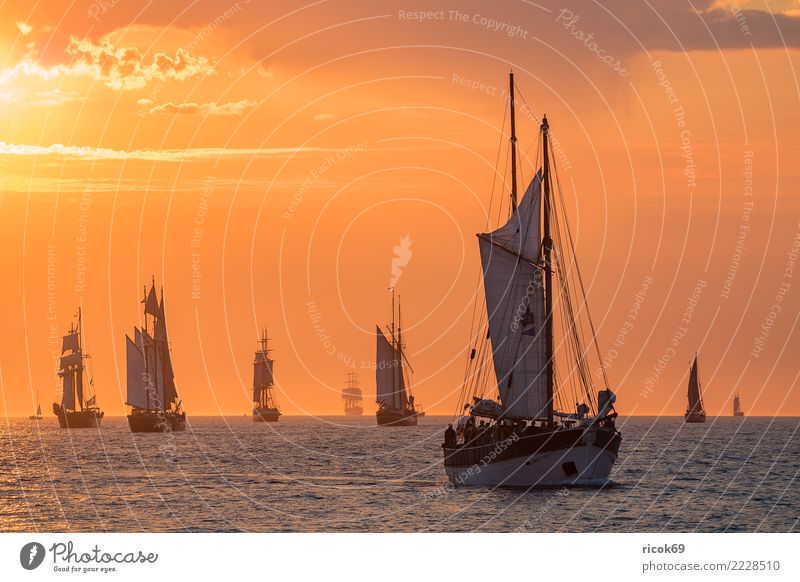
(337, 474)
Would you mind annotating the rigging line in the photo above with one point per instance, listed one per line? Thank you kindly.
(574, 332)
(488, 223)
(580, 279)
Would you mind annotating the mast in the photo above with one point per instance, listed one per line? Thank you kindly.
(547, 244)
(401, 398)
(513, 144)
(79, 369)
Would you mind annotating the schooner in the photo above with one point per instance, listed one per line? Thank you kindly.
(264, 407)
(77, 409)
(395, 401)
(152, 394)
(518, 429)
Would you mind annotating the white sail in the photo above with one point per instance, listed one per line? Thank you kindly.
(137, 385)
(512, 281)
(391, 389)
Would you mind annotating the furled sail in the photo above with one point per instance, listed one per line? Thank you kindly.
(391, 390)
(137, 382)
(512, 280)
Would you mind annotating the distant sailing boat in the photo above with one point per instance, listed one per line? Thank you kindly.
(75, 409)
(152, 394)
(737, 407)
(351, 394)
(38, 415)
(695, 412)
(523, 440)
(395, 402)
(264, 407)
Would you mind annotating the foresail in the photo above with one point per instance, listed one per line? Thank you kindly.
(515, 305)
(136, 373)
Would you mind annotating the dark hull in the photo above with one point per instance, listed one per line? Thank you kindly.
(695, 417)
(396, 418)
(353, 411)
(157, 421)
(80, 419)
(34, 418)
(266, 415)
(738, 413)
(567, 457)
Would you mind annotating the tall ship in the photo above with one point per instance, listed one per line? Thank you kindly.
(737, 406)
(264, 407)
(352, 397)
(152, 394)
(695, 411)
(392, 377)
(38, 414)
(78, 406)
(530, 416)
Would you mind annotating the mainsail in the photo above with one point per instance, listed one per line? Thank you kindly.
(391, 389)
(695, 401)
(512, 280)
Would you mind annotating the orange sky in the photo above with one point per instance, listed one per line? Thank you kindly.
(282, 152)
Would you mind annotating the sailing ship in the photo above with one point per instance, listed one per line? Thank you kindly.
(695, 412)
(737, 406)
(38, 415)
(264, 407)
(395, 402)
(352, 397)
(522, 435)
(78, 409)
(152, 394)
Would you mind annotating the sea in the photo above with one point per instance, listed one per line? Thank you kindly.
(344, 474)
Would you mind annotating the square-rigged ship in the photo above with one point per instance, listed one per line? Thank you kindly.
(352, 396)
(529, 275)
(77, 409)
(152, 394)
(264, 407)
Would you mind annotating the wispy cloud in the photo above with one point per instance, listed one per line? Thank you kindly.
(189, 154)
(228, 109)
(120, 68)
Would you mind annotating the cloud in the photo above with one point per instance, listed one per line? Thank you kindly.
(625, 27)
(24, 28)
(119, 68)
(190, 154)
(324, 117)
(49, 98)
(234, 108)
